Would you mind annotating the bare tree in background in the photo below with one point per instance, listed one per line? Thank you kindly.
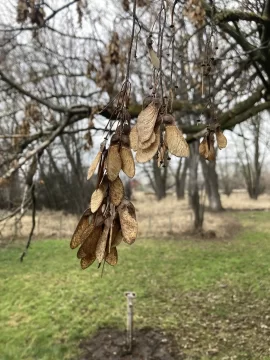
(211, 185)
(193, 190)
(180, 176)
(227, 175)
(62, 63)
(251, 162)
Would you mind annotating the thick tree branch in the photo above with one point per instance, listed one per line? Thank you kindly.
(236, 15)
(14, 85)
(37, 150)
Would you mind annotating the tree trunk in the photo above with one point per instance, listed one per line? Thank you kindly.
(211, 184)
(194, 197)
(180, 179)
(251, 169)
(160, 177)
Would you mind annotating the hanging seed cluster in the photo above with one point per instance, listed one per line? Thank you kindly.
(29, 9)
(156, 135)
(110, 218)
(195, 12)
(207, 145)
(32, 112)
(140, 3)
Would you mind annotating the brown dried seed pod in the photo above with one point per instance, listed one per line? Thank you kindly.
(116, 191)
(147, 100)
(87, 232)
(89, 245)
(148, 143)
(128, 165)
(115, 139)
(99, 218)
(126, 128)
(129, 225)
(118, 239)
(168, 119)
(114, 162)
(81, 253)
(98, 196)
(115, 228)
(158, 122)
(176, 142)
(87, 261)
(125, 140)
(146, 121)
(82, 225)
(118, 130)
(112, 257)
(161, 155)
(133, 137)
(221, 139)
(94, 165)
(144, 155)
(211, 153)
(203, 148)
(101, 244)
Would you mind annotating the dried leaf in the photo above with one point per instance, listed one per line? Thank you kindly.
(149, 142)
(101, 244)
(112, 257)
(133, 138)
(128, 165)
(144, 155)
(176, 142)
(221, 139)
(89, 245)
(146, 121)
(87, 261)
(83, 223)
(154, 59)
(94, 165)
(98, 196)
(116, 191)
(128, 221)
(114, 162)
(118, 239)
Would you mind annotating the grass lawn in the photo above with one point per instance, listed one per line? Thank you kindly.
(213, 296)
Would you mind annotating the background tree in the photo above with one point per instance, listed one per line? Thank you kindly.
(61, 63)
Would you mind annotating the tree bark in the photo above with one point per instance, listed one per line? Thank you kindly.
(194, 197)
(160, 177)
(180, 178)
(211, 185)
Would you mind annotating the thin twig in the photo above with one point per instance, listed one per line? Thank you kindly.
(131, 40)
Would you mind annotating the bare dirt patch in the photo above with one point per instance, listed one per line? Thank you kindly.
(149, 344)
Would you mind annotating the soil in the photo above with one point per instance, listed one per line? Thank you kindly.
(148, 344)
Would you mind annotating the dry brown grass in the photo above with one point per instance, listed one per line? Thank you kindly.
(166, 218)
(170, 217)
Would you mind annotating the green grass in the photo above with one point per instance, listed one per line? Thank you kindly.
(213, 296)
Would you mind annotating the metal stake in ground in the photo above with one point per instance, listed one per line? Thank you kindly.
(130, 296)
